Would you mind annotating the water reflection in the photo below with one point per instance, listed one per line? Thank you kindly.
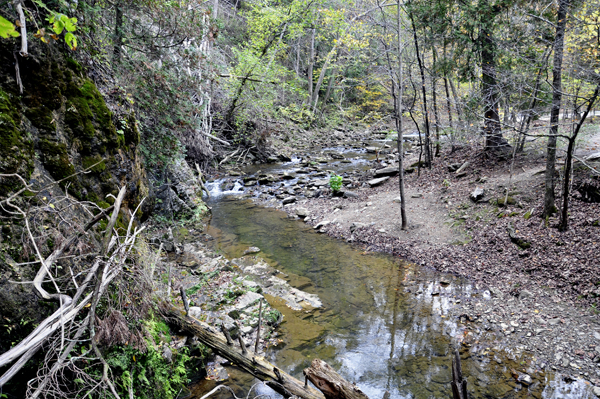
(383, 324)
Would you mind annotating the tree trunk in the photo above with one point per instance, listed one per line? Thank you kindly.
(549, 206)
(311, 60)
(492, 128)
(275, 378)
(529, 114)
(435, 108)
(118, 35)
(424, 93)
(398, 109)
(564, 219)
(333, 386)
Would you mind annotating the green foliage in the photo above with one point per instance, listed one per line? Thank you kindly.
(335, 182)
(147, 373)
(7, 29)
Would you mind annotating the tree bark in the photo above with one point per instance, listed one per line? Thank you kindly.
(564, 219)
(311, 63)
(492, 128)
(275, 378)
(424, 92)
(333, 386)
(118, 35)
(549, 206)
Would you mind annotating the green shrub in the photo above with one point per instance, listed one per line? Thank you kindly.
(335, 182)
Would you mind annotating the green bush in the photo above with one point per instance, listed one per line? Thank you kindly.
(335, 182)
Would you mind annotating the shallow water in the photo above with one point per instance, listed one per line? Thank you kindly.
(384, 323)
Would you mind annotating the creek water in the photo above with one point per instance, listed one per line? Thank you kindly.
(384, 324)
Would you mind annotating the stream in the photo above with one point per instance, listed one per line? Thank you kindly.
(384, 324)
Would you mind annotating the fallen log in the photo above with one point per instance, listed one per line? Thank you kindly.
(333, 386)
(278, 380)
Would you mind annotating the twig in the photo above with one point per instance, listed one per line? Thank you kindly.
(258, 328)
(214, 138)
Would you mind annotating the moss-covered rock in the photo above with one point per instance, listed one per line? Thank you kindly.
(16, 146)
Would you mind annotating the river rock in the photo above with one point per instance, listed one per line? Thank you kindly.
(389, 171)
(246, 300)
(477, 194)
(167, 354)
(335, 155)
(356, 225)
(302, 212)
(288, 175)
(350, 194)
(288, 200)
(195, 312)
(321, 224)
(593, 157)
(525, 294)
(596, 391)
(372, 150)
(320, 182)
(525, 379)
(252, 250)
(378, 181)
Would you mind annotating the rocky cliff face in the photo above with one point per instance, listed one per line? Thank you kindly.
(59, 129)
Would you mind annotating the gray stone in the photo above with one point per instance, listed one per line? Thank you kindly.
(453, 167)
(496, 292)
(596, 391)
(593, 157)
(167, 354)
(597, 336)
(372, 150)
(322, 224)
(350, 194)
(389, 171)
(246, 330)
(477, 194)
(247, 300)
(553, 322)
(288, 200)
(378, 181)
(356, 225)
(417, 195)
(398, 200)
(195, 312)
(252, 250)
(302, 212)
(320, 182)
(288, 175)
(525, 294)
(525, 379)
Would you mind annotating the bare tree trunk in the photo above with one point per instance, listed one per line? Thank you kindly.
(398, 109)
(311, 63)
(529, 113)
(564, 219)
(118, 34)
(424, 93)
(549, 206)
(435, 107)
(493, 129)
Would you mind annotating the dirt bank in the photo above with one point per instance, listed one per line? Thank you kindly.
(537, 291)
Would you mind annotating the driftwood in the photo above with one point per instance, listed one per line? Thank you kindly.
(278, 380)
(459, 385)
(333, 386)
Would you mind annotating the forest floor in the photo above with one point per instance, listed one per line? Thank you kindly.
(536, 288)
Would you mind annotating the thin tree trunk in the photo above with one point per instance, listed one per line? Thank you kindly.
(118, 35)
(549, 205)
(424, 92)
(398, 108)
(456, 100)
(564, 219)
(529, 116)
(435, 107)
(311, 61)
